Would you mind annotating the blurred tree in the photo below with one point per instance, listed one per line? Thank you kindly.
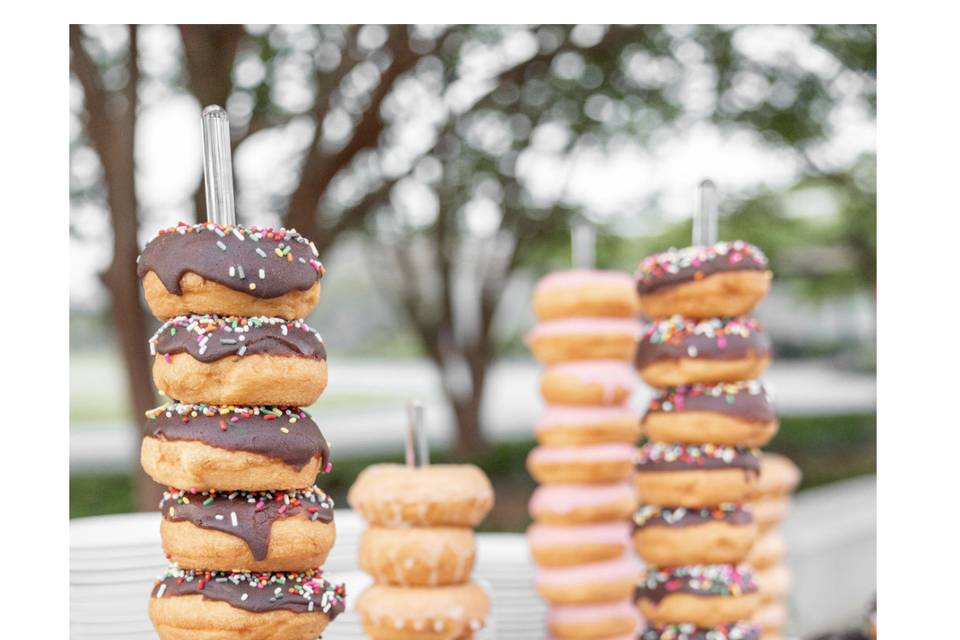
(421, 138)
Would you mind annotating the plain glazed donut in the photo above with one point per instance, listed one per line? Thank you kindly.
(392, 495)
(779, 476)
(588, 464)
(773, 583)
(565, 545)
(734, 631)
(237, 360)
(423, 613)
(677, 351)
(588, 382)
(769, 549)
(600, 621)
(207, 447)
(703, 595)
(209, 268)
(665, 536)
(723, 279)
(585, 293)
(230, 605)
(605, 581)
(584, 339)
(694, 475)
(727, 413)
(248, 531)
(771, 618)
(573, 425)
(418, 556)
(563, 504)
(769, 511)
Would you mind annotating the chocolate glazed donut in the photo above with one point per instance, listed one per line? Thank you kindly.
(734, 631)
(669, 536)
(703, 595)
(694, 475)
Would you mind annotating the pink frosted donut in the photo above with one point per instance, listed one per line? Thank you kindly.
(598, 463)
(583, 292)
(605, 581)
(558, 545)
(584, 339)
(610, 620)
(578, 504)
(566, 425)
(591, 382)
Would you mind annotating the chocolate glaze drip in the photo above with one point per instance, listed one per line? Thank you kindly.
(655, 456)
(244, 430)
(210, 338)
(652, 516)
(706, 581)
(249, 516)
(211, 251)
(703, 347)
(674, 267)
(748, 402)
(735, 631)
(312, 592)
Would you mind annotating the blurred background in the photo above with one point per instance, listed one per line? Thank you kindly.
(439, 168)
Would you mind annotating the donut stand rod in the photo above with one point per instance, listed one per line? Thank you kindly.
(417, 450)
(583, 244)
(706, 217)
(217, 166)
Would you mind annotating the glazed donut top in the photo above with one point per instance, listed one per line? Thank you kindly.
(707, 580)
(650, 515)
(747, 400)
(283, 433)
(302, 592)
(211, 337)
(686, 631)
(249, 515)
(714, 339)
(262, 262)
(676, 266)
(659, 456)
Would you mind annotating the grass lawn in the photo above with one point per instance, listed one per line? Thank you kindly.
(827, 449)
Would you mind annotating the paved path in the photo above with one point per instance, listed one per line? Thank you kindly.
(511, 406)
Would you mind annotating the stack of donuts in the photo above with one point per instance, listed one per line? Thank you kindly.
(580, 538)
(243, 523)
(699, 467)
(420, 550)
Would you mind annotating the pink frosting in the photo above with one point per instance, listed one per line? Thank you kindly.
(558, 416)
(610, 374)
(601, 533)
(613, 452)
(626, 567)
(582, 277)
(567, 326)
(587, 613)
(564, 498)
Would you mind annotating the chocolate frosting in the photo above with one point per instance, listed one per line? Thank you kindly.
(676, 266)
(256, 592)
(247, 515)
(287, 434)
(746, 401)
(209, 337)
(734, 631)
(264, 263)
(649, 515)
(713, 339)
(659, 456)
(705, 580)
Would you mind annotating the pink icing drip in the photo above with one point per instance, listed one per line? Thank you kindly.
(568, 326)
(626, 567)
(582, 277)
(602, 533)
(586, 613)
(564, 498)
(575, 416)
(610, 374)
(592, 453)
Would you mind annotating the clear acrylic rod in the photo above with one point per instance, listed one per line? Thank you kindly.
(706, 217)
(417, 448)
(583, 244)
(217, 165)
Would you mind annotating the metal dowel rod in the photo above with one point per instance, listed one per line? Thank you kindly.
(706, 218)
(217, 166)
